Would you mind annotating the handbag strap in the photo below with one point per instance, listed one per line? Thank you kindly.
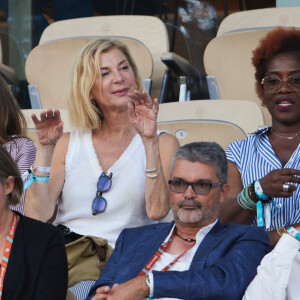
(71, 236)
(101, 251)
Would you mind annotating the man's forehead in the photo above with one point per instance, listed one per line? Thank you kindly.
(193, 170)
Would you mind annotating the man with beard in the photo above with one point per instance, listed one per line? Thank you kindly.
(195, 256)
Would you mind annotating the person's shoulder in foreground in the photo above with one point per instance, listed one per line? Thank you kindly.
(278, 274)
(37, 267)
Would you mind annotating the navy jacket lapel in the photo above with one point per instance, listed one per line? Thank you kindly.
(149, 242)
(210, 241)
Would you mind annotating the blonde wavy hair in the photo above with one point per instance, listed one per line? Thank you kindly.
(84, 114)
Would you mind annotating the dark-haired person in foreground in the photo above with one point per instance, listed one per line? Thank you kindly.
(194, 257)
(33, 256)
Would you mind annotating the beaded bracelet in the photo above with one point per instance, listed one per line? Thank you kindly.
(147, 171)
(151, 170)
(252, 193)
(153, 175)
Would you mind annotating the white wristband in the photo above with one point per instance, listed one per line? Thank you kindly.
(31, 169)
(42, 169)
(259, 191)
(295, 233)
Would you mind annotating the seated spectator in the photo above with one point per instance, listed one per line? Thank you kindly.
(12, 126)
(264, 168)
(203, 258)
(278, 274)
(110, 172)
(34, 264)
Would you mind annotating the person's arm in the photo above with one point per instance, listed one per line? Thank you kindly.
(274, 235)
(230, 211)
(159, 152)
(157, 190)
(274, 271)
(41, 197)
(53, 277)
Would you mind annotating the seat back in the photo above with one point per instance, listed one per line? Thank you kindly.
(30, 130)
(48, 67)
(260, 19)
(188, 131)
(150, 30)
(228, 59)
(246, 114)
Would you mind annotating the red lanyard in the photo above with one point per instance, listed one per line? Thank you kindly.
(7, 249)
(158, 254)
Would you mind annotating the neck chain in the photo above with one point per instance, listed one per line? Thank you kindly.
(187, 240)
(7, 227)
(284, 137)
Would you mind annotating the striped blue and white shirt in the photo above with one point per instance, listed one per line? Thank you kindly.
(255, 158)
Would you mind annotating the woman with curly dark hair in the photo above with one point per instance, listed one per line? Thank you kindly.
(264, 168)
(12, 137)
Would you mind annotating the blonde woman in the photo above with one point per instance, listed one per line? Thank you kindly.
(111, 171)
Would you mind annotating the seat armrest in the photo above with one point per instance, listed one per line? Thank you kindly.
(179, 65)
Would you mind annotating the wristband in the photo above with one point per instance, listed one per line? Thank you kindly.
(295, 233)
(259, 191)
(33, 178)
(31, 170)
(259, 212)
(42, 169)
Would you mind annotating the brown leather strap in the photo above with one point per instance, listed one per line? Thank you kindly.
(101, 251)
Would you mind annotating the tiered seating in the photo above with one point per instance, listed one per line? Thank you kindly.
(245, 114)
(210, 120)
(188, 131)
(228, 59)
(260, 19)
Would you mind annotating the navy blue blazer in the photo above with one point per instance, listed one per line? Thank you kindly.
(37, 267)
(222, 267)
